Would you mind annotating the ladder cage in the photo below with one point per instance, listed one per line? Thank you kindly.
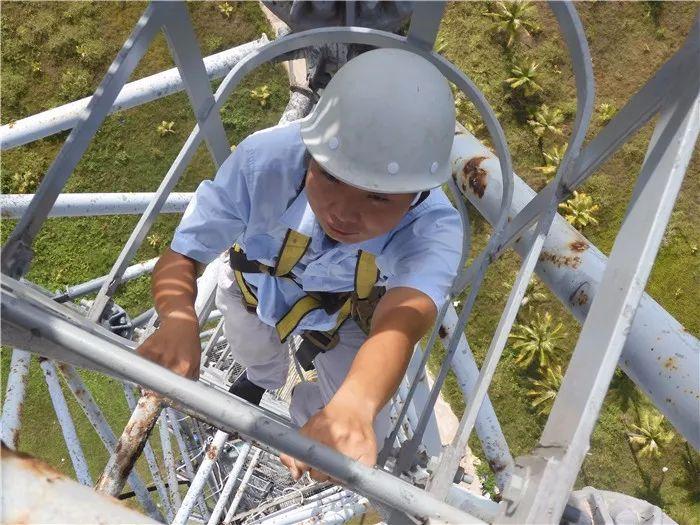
(224, 450)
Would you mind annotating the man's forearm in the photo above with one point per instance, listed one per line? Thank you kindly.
(376, 372)
(174, 287)
(400, 320)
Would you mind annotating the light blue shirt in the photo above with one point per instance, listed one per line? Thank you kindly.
(255, 197)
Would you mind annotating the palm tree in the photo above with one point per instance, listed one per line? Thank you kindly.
(646, 439)
(579, 210)
(545, 121)
(537, 342)
(524, 78)
(648, 436)
(513, 19)
(543, 390)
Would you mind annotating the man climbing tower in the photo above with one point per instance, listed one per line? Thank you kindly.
(333, 228)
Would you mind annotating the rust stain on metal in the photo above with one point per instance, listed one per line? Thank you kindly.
(496, 466)
(670, 364)
(475, 175)
(442, 332)
(578, 246)
(581, 297)
(572, 261)
(212, 452)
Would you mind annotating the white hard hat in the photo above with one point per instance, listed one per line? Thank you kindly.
(385, 123)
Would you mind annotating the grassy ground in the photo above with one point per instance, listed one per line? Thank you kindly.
(56, 52)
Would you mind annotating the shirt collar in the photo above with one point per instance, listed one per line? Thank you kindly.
(301, 218)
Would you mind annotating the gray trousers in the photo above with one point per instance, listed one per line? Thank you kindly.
(256, 346)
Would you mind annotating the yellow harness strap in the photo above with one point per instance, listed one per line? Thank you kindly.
(248, 296)
(366, 274)
(293, 249)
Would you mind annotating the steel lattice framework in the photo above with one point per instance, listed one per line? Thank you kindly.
(226, 448)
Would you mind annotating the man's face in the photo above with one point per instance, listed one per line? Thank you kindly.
(351, 215)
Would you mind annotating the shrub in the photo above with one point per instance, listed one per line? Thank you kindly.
(524, 78)
(225, 9)
(606, 112)
(552, 159)
(261, 94)
(513, 19)
(155, 240)
(545, 121)
(579, 210)
(165, 127)
(648, 436)
(25, 182)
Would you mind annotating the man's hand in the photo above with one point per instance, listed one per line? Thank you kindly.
(175, 345)
(343, 426)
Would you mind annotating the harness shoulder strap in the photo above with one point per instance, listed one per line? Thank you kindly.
(366, 274)
(249, 297)
(293, 249)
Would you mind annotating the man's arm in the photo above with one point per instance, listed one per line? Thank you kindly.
(401, 318)
(175, 344)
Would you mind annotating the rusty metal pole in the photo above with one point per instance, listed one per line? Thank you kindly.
(14, 398)
(130, 444)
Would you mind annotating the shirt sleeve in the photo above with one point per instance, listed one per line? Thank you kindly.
(218, 212)
(425, 254)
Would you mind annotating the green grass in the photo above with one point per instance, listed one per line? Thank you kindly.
(43, 41)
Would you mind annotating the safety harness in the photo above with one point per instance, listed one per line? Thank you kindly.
(359, 303)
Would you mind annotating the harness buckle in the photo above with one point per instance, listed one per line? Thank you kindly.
(322, 340)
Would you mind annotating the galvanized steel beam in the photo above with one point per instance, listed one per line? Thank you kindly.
(65, 420)
(211, 455)
(104, 431)
(93, 204)
(659, 353)
(33, 492)
(230, 484)
(130, 445)
(13, 403)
